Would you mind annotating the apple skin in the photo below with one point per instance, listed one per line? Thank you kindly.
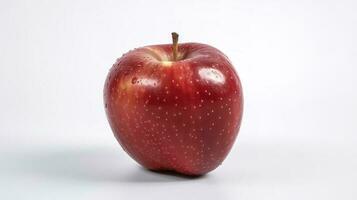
(181, 116)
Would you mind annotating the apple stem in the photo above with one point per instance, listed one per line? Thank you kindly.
(174, 44)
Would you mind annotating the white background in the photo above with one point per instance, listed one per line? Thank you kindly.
(297, 61)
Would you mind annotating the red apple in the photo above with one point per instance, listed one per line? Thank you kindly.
(175, 107)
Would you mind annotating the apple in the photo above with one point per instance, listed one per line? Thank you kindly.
(175, 107)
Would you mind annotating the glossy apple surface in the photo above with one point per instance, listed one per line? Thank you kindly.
(181, 115)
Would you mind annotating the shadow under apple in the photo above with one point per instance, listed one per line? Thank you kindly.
(98, 165)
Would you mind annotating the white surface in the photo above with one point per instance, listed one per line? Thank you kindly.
(296, 59)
